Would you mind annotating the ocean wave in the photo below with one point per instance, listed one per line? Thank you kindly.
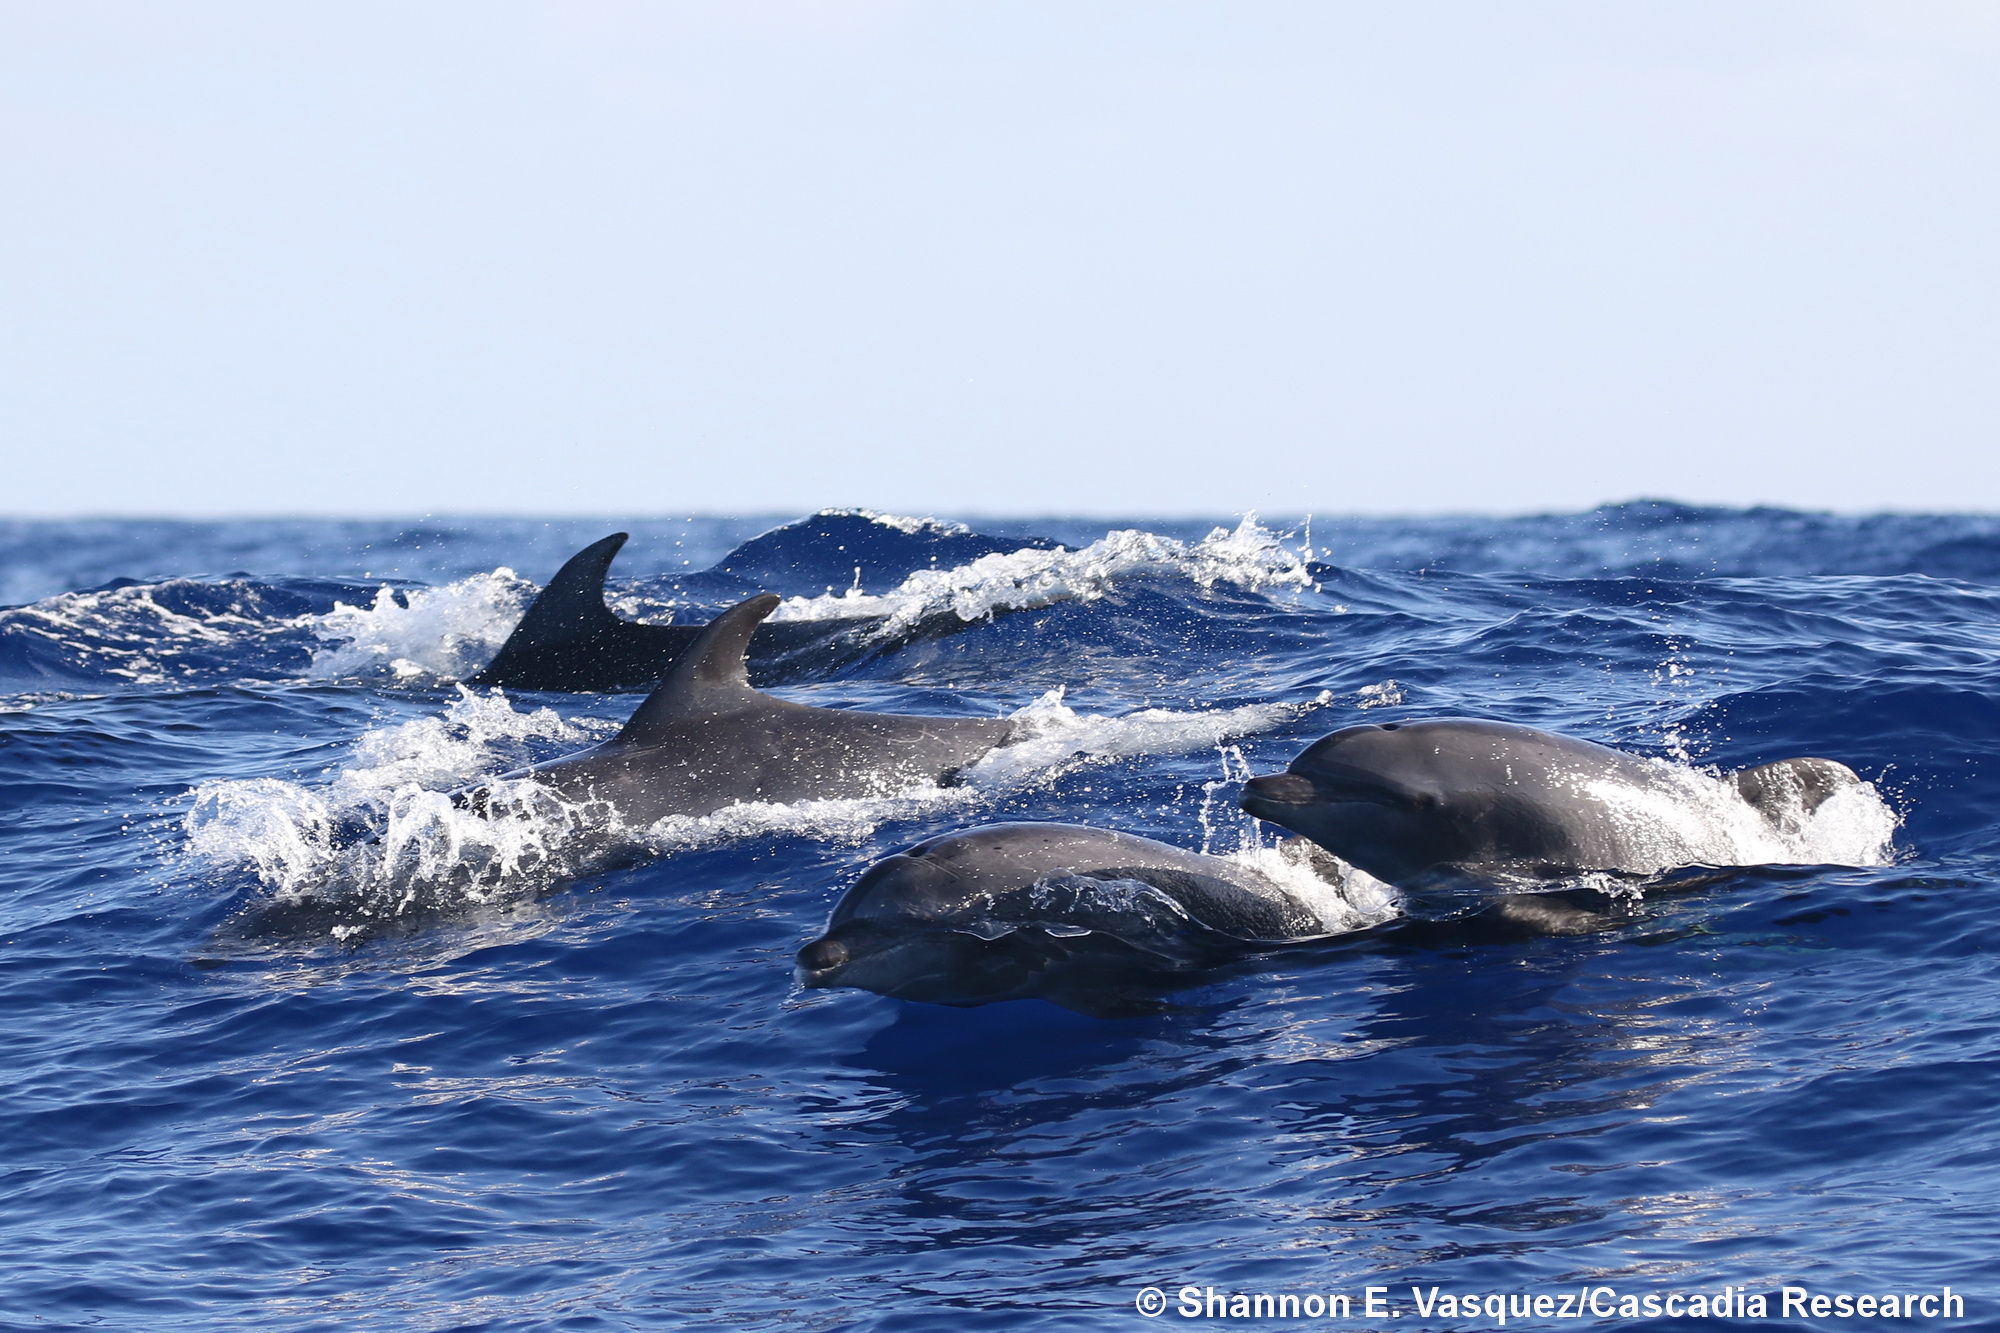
(156, 633)
(1249, 556)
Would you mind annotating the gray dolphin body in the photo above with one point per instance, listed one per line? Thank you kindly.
(1055, 911)
(1406, 801)
(705, 738)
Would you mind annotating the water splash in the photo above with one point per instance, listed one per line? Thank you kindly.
(1051, 738)
(1341, 896)
(1692, 816)
(1344, 898)
(914, 527)
(309, 843)
(1247, 833)
(448, 632)
(1382, 694)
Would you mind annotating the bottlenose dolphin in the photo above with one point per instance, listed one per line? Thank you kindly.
(705, 739)
(570, 640)
(1062, 912)
(1406, 801)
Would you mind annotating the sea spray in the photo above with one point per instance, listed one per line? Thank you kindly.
(448, 632)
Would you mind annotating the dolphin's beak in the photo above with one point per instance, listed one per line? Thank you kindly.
(818, 960)
(1277, 789)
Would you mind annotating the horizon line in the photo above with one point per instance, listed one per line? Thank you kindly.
(968, 514)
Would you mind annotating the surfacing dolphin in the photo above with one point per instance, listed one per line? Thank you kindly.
(1408, 801)
(1083, 917)
(706, 739)
(570, 640)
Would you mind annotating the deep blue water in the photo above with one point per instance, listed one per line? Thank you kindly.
(576, 1093)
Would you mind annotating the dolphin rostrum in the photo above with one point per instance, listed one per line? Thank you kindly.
(706, 739)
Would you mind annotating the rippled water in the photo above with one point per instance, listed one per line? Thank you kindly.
(263, 1073)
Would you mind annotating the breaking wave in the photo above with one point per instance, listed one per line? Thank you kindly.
(151, 633)
(448, 632)
(202, 630)
(1249, 556)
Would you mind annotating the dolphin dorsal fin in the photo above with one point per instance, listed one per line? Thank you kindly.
(709, 678)
(572, 604)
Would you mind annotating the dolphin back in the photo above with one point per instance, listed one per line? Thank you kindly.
(1060, 911)
(706, 738)
(1243, 907)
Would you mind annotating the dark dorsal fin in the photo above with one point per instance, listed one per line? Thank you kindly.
(572, 605)
(709, 678)
(570, 640)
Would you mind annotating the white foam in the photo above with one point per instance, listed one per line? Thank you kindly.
(1382, 694)
(1249, 556)
(448, 632)
(843, 821)
(1693, 817)
(292, 835)
(33, 699)
(281, 829)
(132, 634)
(1049, 737)
(1355, 901)
(934, 527)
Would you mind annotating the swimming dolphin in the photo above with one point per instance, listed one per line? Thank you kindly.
(1404, 801)
(706, 739)
(570, 640)
(1062, 912)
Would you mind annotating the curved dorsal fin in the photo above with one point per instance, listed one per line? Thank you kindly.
(710, 677)
(572, 604)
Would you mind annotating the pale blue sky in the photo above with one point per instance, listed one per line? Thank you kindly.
(1094, 256)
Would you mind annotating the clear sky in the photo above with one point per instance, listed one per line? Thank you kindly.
(1092, 256)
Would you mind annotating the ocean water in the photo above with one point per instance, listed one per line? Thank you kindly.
(259, 1073)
